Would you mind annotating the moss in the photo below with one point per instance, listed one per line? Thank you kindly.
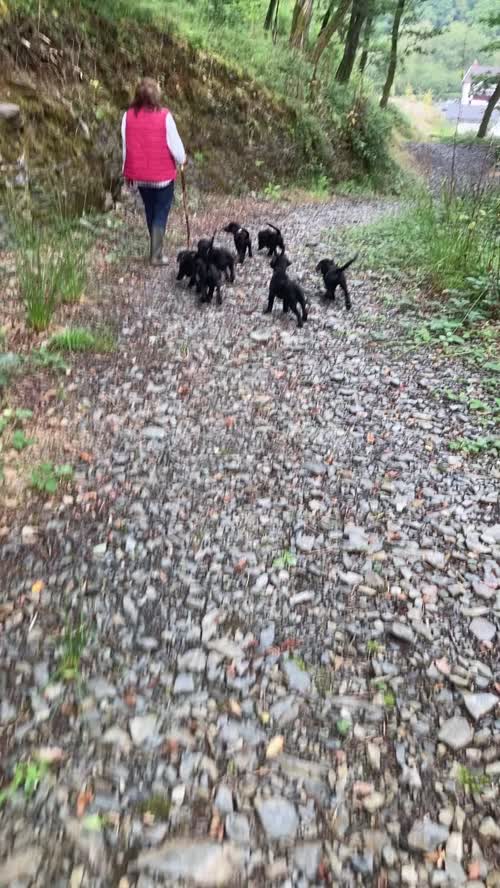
(157, 805)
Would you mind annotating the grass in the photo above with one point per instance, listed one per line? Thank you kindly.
(79, 339)
(285, 560)
(450, 244)
(74, 641)
(474, 783)
(476, 446)
(50, 265)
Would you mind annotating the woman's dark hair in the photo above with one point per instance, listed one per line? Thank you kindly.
(147, 95)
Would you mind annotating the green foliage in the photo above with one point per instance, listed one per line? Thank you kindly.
(373, 647)
(10, 363)
(20, 441)
(476, 446)
(343, 726)
(273, 191)
(450, 243)
(49, 361)
(79, 339)
(46, 477)
(27, 777)
(74, 641)
(287, 559)
(11, 420)
(158, 806)
(474, 783)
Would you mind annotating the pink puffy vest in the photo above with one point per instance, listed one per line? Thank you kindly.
(147, 157)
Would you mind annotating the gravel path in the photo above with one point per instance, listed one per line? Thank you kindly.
(289, 671)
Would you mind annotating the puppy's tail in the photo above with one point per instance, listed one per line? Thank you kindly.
(347, 264)
(210, 249)
(273, 226)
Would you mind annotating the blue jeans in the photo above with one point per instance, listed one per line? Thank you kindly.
(157, 203)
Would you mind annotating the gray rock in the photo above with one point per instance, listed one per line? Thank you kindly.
(267, 637)
(285, 710)
(101, 689)
(483, 629)
(202, 862)
(434, 557)
(116, 736)
(402, 632)
(483, 590)
(154, 433)
(297, 678)
(312, 467)
(425, 835)
(20, 866)
(489, 829)
(238, 828)
(184, 683)
(307, 858)
(9, 111)
(456, 732)
(478, 705)
(278, 818)
(143, 729)
(226, 648)
(357, 540)
(224, 800)
(261, 336)
(192, 661)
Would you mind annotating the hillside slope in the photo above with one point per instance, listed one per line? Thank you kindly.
(73, 80)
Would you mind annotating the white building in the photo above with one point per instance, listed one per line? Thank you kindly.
(474, 89)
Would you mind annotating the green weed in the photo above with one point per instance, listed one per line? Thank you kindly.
(273, 191)
(27, 777)
(343, 726)
(19, 440)
(373, 647)
(46, 477)
(74, 641)
(79, 339)
(157, 805)
(474, 783)
(48, 360)
(287, 559)
(475, 446)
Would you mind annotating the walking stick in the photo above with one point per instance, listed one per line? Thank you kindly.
(184, 201)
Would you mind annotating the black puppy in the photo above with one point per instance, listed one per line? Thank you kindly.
(208, 280)
(218, 256)
(271, 240)
(242, 240)
(333, 277)
(186, 261)
(282, 287)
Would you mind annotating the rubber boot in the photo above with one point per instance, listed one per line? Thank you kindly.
(157, 235)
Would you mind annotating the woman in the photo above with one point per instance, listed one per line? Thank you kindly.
(151, 149)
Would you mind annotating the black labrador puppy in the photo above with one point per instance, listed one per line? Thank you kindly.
(333, 277)
(218, 256)
(282, 287)
(242, 240)
(186, 260)
(208, 280)
(271, 240)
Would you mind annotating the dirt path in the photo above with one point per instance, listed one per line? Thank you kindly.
(289, 674)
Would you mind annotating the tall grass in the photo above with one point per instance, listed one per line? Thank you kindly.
(451, 243)
(50, 266)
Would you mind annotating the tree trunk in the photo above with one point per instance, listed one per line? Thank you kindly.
(327, 16)
(275, 23)
(271, 9)
(358, 15)
(332, 25)
(366, 43)
(393, 58)
(301, 21)
(490, 107)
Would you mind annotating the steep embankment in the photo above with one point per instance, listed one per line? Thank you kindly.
(73, 78)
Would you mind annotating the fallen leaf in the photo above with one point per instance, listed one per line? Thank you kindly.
(229, 422)
(474, 869)
(275, 747)
(5, 611)
(93, 823)
(83, 800)
(235, 708)
(183, 391)
(443, 666)
(265, 717)
(216, 830)
(240, 565)
(370, 438)
(85, 457)
(37, 588)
